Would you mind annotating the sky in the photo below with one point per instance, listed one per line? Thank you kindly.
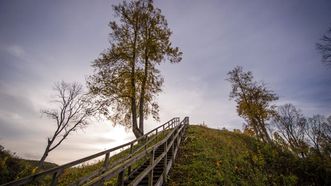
(43, 42)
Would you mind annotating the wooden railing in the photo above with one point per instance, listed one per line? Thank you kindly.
(142, 149)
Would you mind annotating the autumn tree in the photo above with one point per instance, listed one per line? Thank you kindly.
(324, 46)
(72, 113)
(127, 79)
(290, 124)
(253, 101)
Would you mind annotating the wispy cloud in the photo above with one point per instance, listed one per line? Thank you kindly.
(16, 51)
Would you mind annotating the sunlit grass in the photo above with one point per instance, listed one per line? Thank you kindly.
(221, 157)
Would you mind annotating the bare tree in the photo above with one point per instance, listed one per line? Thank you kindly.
(318, 131)
(314, 131)
(324, 46)
(326, 137)
(73, 112)
(290, 124)
(327, 129)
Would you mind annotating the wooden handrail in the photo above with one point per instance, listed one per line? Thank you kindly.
(121, 167)
(58, 170)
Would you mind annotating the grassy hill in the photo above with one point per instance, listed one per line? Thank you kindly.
(220, 157)
(208, 157)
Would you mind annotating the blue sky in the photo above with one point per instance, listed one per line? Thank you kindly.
(42, 42)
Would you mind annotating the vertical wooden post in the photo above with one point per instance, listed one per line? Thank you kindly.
(151, 174)
(55, 177)
(131, 149)
(156, 133)
(120, 179)
(165, 162)
(173, 151)
(178, 138)
(163, 131)
(106, 162)
(105, 166)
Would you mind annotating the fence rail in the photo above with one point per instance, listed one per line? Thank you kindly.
(152, 148)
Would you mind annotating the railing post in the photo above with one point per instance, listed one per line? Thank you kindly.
(131, 149)
(156, 132)
(178, 138)
(173, 150)
(165, 162)
(120, 179)
(105, 165)
(151, 174)
(55, 177)
(163, 131)
(106, 162)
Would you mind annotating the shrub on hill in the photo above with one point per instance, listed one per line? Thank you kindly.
(12, 167)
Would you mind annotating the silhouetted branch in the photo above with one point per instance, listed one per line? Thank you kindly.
(75, 108)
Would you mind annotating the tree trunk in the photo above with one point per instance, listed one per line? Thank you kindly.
(264, 131)
(253, 124)
(135, 128)
(141, 110)
(142, 94)
(43, 158)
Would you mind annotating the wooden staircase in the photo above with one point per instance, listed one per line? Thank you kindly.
(158, 170)
(148, 162)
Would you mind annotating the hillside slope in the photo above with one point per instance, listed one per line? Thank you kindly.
(220, 157)
(12, 167)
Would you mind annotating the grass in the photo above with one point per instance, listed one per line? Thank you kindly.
(220, 157)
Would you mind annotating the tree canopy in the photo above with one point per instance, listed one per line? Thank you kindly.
(127, 79)
(253, 101)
